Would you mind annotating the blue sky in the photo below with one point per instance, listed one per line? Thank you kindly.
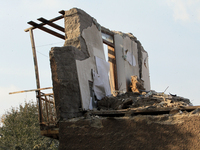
(168, 30)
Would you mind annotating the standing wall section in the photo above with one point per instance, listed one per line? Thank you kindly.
(73, 64)
(131, 59)
(65, 81)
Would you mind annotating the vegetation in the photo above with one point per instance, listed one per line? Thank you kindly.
(20, 130)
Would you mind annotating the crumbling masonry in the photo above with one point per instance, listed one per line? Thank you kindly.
(80, 70)
(102, 99)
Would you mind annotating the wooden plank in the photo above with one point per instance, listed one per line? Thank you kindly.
(113, 70)
(54, 107)
(50, 122)
(48, 94)
(52, 20)
(36, 74)
(50, 111)
(47, 100)
(144, 110)
(108, 43)
(47, 30)
(46, 109)
(62, 12)
(51, 24)
(33, 89)
(162, 109)
(104, 112)
(106, 31)
(50, 131)
(35, 59)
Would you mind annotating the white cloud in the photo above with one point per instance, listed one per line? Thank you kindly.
(180, 11)
(185, 10)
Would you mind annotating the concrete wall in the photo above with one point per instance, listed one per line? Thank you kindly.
(126, 47)
(120, 63)
(130, 70)
(83, 47)
(145, 70)
(73, 64)
(92, 37)
(65, 81)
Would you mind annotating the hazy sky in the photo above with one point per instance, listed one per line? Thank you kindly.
(169, 31)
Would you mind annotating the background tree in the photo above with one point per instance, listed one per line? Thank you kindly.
(20, 130)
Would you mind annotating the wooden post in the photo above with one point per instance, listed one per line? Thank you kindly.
(113, 70)
(47, 114)
(36, 75)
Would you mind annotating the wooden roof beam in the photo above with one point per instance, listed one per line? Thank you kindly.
(51, 24)
(35, 25)
(107, 31)
(108, 43)
(52, 20)
(62, 12)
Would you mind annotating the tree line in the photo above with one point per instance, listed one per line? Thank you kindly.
(20, 130)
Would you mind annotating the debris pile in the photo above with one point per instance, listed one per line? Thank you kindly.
(139, 98)
(150, 99)
(136, 84)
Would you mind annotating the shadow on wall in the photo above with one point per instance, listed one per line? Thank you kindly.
(129, 134)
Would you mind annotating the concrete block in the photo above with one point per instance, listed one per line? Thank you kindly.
(65, 81)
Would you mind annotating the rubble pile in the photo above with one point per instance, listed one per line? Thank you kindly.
(150, 99)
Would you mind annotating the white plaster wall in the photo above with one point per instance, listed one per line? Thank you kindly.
(131, 70)
(124, 69)
(94, 44)
(145, 71)
(128, 67)
(94, 41)
(135, 53)
(121, 75)
(84, 74)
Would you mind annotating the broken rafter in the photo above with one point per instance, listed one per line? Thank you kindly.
(106, 31)
(44, 99)
(51, 24)
(51, 132)
(31, 90)
(49, 94)
(40, 25)
(108, 43)
(62, 12)
(135, 111)
(46, 30)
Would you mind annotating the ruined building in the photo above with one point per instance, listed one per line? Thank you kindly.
(80, 70)
(95, 104)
